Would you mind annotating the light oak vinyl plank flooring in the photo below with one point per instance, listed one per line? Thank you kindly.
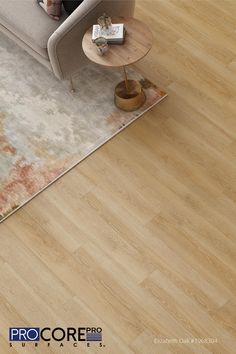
(139, 238)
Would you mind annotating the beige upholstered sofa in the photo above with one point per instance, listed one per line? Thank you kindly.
(55, 44)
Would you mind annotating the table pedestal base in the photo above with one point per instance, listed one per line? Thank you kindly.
(129, 95)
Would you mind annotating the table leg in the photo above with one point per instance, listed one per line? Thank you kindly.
(126, 79)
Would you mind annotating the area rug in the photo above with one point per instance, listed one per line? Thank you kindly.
(45, 130)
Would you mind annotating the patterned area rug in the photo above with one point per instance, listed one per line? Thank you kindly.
(45, 130)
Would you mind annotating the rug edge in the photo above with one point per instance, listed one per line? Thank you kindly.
(90, 153)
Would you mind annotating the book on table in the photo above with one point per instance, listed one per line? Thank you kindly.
(115, 34)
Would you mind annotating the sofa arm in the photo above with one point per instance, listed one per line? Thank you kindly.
(65, 44)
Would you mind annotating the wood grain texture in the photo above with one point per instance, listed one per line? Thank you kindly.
(140, 237)
(138, 42)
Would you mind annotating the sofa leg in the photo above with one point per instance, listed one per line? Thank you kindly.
(71, 85)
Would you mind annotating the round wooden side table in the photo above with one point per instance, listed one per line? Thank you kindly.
(129, 95)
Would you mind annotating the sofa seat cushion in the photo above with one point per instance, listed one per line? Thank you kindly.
(27, 21)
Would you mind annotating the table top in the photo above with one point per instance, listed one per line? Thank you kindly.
(138, 42)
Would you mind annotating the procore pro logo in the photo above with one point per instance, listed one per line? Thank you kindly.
(24, 334)
(55, 335)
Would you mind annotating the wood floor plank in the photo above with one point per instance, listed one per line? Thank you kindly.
(139, 238)
(191, 316)
(226, 316)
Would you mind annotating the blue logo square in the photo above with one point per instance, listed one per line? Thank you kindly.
(18, 334)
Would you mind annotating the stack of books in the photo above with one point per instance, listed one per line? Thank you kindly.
(115, 34)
